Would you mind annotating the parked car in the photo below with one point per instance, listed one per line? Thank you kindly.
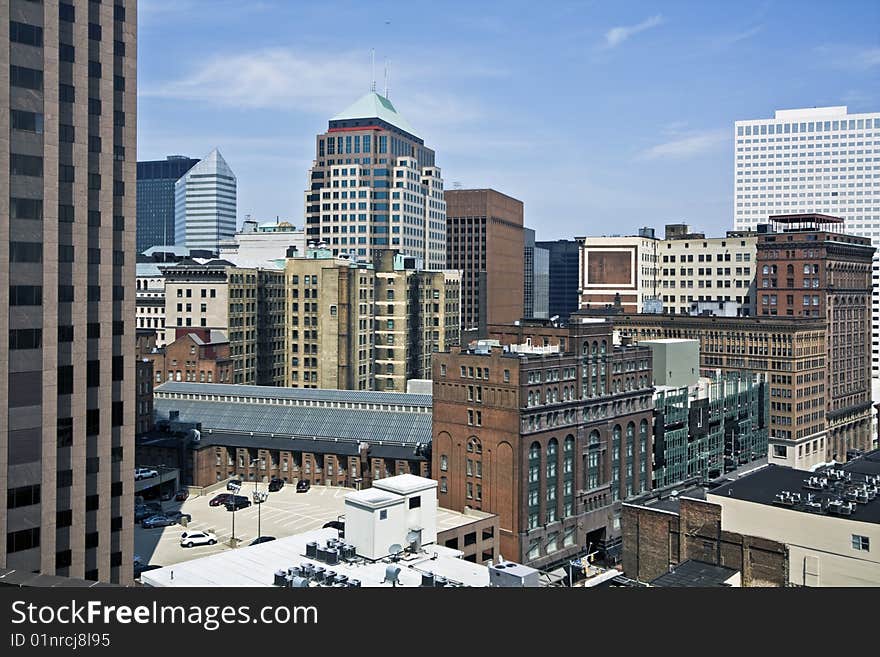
(144, 473)
(167, 495)
(197, 537)
(233, 483)
(276, 485)
(237, 502)
(140, 512)
(217, 500)
(165, 519)
(153, 508)
(303, 485)
(182, 495)
(152, 522)
(262, 539)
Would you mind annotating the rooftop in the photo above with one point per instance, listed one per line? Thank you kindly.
(692, 573)
(256, 565)
(275, 422)
(850, 490)
(302, 394)
(374, 106)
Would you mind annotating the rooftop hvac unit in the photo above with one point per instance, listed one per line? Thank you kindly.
(439, 582)
(311, 550)
(428, 579)
(299, 582)
(342, 579)
(354, 584)
(280, 578)
(318, 575)
(509, 574)
(332, 556)
(391, 575)
(330, 578)
(348, 552)
(321, 554)
(295, 571)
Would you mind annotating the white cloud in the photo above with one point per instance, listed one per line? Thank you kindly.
(285, 79)
(730, 39)
(617, 35)
(853, 58)
(690, 145)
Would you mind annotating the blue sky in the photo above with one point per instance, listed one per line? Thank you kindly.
(600, 116)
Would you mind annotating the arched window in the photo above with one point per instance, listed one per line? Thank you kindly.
(603, 347)
(534, 506)
(552, 451)
(595, 347)
(568, 477)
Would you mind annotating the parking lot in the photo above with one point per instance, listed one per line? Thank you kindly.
(284, 513)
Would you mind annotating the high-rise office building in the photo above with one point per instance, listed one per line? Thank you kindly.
(205, 204)
(536, 278)
(563, 285)
(822, 160)
(155, 199)
(374, 185)
(67, 303)
(485, 240)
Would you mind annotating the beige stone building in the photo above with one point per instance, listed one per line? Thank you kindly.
(697, 273)
(329, 326)
(618, 270)
(417, 314)
(683, 273)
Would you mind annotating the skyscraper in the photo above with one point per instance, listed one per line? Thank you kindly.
(67, 302)
(155, 199)
(563, 277)
(536, 279)
(205, 204)
(485, 240)
(374, 185)
(820, 160)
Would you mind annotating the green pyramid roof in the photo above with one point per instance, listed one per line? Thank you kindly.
(374, 106)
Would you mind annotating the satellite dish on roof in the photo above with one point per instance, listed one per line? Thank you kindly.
(395, 549)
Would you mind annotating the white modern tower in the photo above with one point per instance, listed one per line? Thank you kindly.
(374, 186)
(205, 204)
(813, 160)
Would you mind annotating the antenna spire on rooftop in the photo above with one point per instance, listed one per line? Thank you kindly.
(373, 70)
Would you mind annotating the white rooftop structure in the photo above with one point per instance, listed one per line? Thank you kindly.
(256, 565)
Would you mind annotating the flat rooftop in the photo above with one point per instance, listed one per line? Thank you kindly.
(256, 565)
(692, 573)
(820, 492)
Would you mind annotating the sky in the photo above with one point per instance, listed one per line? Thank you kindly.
(601, 117)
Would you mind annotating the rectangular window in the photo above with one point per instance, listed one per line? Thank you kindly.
(30, 35)
(26, 165)
(27, 121)
(27, 78)
(26, 208)
(22, 540)
(861, 543)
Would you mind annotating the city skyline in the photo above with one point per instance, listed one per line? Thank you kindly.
(505, 95)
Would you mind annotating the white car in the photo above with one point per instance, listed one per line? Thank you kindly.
(144, 473)
(195, 537)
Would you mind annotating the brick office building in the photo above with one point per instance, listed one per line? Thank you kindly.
(805, 268)
(486, 241)
(549, 439)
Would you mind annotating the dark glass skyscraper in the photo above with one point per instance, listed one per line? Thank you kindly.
(155, 199)
(563, 277)
(67, 298)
